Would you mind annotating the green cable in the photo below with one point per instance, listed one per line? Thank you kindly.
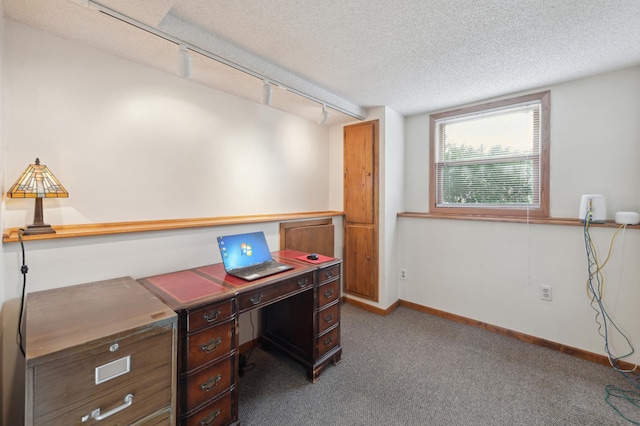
(630, 396)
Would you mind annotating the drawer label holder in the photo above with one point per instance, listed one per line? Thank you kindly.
(113, 369)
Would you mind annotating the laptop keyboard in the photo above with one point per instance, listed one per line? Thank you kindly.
(250, 270)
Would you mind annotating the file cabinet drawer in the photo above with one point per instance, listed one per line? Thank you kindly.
(123, 405)
(70, 380)
(159, 418)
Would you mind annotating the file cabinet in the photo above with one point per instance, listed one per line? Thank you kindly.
(100, 353)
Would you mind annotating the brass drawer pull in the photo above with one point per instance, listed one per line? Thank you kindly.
(211, 383)
(328, 293)
(211, 316)
(256, 299)
(328, 274)
(303, 282)
(328, 318)
(211, 346)
(95, 414)
(328, 340)
(210, 418)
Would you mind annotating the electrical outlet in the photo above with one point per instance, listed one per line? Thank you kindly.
(545, 292)
(403, 274)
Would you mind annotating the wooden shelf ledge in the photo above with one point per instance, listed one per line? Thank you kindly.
(10, 235)
(537, 220)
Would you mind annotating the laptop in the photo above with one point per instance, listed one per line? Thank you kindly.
(247, 256)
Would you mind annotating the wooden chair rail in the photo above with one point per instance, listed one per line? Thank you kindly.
(10, 235)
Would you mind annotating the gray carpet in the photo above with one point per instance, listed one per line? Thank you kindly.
(411, 368)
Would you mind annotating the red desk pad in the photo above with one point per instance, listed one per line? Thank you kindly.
(184, 286)
(218, 273)
(321, 258)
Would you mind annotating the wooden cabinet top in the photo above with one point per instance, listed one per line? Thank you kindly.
(193, 287)
(66, 320)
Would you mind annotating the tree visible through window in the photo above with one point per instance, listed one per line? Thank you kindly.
(492, 159)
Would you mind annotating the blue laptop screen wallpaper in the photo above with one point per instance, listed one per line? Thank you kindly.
(242, 250)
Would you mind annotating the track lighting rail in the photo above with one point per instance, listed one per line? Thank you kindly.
(159, 33)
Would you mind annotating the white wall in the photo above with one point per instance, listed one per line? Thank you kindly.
(132, 143)
(392, 194)
(595, 148)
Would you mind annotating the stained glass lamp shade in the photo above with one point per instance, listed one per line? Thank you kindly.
(37, 182)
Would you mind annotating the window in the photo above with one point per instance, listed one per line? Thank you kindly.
(492, 159)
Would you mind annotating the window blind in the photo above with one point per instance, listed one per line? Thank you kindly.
(490, 158)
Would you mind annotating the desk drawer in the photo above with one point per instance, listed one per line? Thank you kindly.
(328, 317)
(208, 384)
(330, 273)
(209, 344)
(267, 294)
(71, 380)
(327, 341)
(328, 292)
(209, 315)
(218, 412)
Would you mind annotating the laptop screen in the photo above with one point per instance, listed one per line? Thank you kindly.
(242, 250)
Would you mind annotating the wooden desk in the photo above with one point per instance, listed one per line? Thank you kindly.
(300, 317)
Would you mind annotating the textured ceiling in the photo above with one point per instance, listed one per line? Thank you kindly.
(412, 56)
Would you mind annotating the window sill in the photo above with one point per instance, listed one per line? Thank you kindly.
(10, 235)
(536, 220)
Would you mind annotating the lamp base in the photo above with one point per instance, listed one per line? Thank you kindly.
(38, 229)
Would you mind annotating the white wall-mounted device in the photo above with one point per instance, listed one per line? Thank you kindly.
(627, 218)
(595, 204)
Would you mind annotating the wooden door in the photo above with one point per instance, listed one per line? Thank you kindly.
(360, 277)
(359, 173)
(361, 210)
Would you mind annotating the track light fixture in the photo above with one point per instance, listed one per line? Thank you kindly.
(267, 91)
(184, 62)
(324, 116)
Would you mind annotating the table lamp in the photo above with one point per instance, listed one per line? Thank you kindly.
(37, 182)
